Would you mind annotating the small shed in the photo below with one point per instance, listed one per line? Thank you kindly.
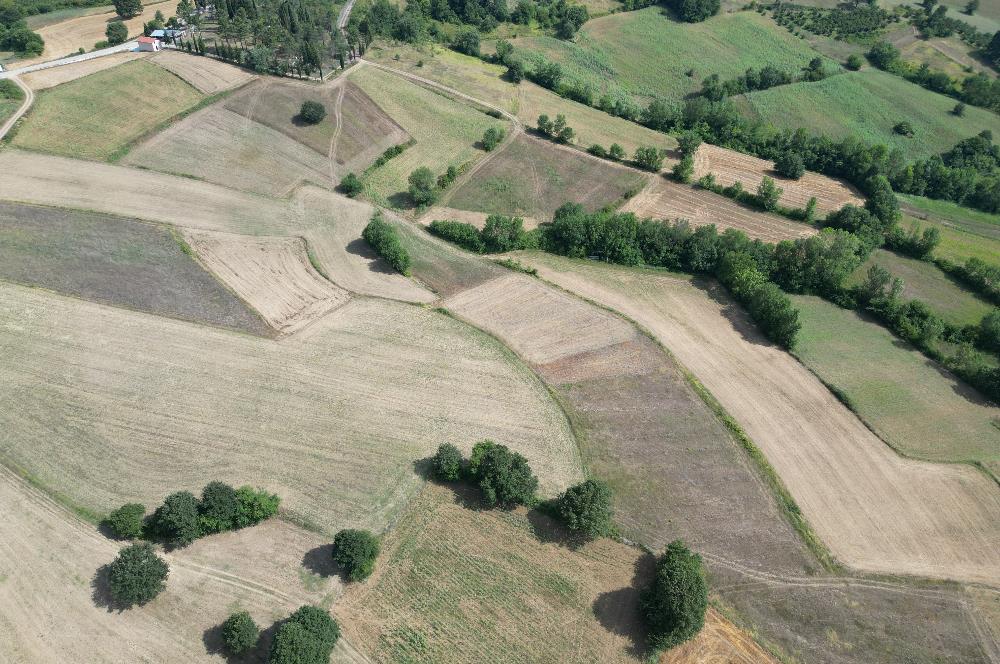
(149, 44)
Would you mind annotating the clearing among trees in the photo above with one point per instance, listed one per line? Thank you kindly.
(208, 75)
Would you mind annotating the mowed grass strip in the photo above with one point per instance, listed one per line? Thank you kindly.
(965, 233)
(97, 116)
(867, 105)
(915, 406)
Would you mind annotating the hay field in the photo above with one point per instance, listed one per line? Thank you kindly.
(730, 167)
(965, 233)
(208, 75)
(530, 176)
(719, 642)
(96, 117)
(127, 406)
(272, 274)
(875, 510)
(50, 78)
(665, 199)
(115, 260)
(477, 219)
(330, 224)
(914, 405)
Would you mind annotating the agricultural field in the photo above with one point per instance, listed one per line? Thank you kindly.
(647, 53)
(925, 281)
(44, 79)
(207, 75)
(100, 115)
(118, 261)
(867, 105)
(965, 233)
(665, 199)
(948, 54)
(11, 99)
(533, 177)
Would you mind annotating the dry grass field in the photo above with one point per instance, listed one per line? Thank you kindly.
(127, 406)
(115, 260)
(477, 219)
(50, 78)
(875, 510)
(719, 642)
(665, 199)
(208, 75)
(272, 274)
(97, 116)
(730, 167)
(530, 176)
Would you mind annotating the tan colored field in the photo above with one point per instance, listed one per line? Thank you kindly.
(47, 601)
(128, 406)
(875, 510)
(272, 274)
(208, 75)
(67, 37)
(49, 78)
(719, 642)
(331, 224)
(730, 167)
(220, 146)
(666, 199)
(477, 219)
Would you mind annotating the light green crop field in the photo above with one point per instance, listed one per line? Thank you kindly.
(965, 233)
(647, 53)
(11, 98)
(867, 105)
(96, 116)
(910, 402)
(925, 281)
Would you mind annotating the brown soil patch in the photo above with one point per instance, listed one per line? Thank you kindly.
(272, 274)
(208, 75)
(719, 642)
(666, 199)
(730, 167)
(366, 131)
(49, 78)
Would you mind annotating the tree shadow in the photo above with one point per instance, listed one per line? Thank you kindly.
(549, 531)
(466, 494)
(358, 247)
(732, 311)
(618, 610)
(100, 591)
(215, 645)
(320, 561)
(401, 200)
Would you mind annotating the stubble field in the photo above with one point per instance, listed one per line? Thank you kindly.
(208, 75)
(50, 78)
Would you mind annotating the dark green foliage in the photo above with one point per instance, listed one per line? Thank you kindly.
(649, 159)
(447, 177)
(355, 551)
(128, 8)
(516, 71)
(689, 142)
(502, 233)
(218, 508)
(176, 520)
(989, 331)
(422, 189)
(467, 41)
(319, 624)
(294, 644)
(239, 633)
(126, 521)
(768, 194)
(394, 151)
(312, 112)
(137, 575)
(504, 477)
(847, 22)
(447, 463)
(479, 451)
(694, 11)
(10, 90)
(674, 604)
(790, 165)
(598, 151)
(959, 110)
(684, 169)
(463, 234)
(586, 508)
(116, 32)
(616, 152)
(903, 128)
(492, 138)
(351, 185)
(383, 238)
(914, 243)
(854, 62)
(769, 307)
(254, 506)
(882, 202)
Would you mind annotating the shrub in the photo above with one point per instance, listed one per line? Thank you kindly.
(218, 508)
(461, 233)
(649, 158)
(294, 644)
(126, 521)
(675, 602)
(254, 506)
(384, 239)
(768, 194)
(958, 110)
(422, 186)
(689, 142)
(176, 520)
(351, 185)
(586, 507)
(694, 11)
(116, 32)
(616, 152)
(239, 633)
(504, 477)
(355, 551)
(989, 331)
(447, 463)
(467, 41)
(502, 233)
(319, 624)
(128, 8)
(684, 169)
(137, 575)
(312, 112)
(854, 62)
(447, 177)
(903, 128)
(790, 164)
(598, 151)
(492, 138)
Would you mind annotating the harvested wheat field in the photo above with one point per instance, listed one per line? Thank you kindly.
(50, 78)
(207, 75)
(730, 167)
(331, 224)
(107, 405)
(875, 510)
(665, 199)
(719, 642)
(48, 599)
(220, 146)
(272, 274)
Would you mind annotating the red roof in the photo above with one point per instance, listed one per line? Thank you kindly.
(147, 40)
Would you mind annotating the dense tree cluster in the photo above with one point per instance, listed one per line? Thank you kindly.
(355, 551)
(694, 11)
(384, 239)
(128, 8)
(307, 637)
(137, 575)
(504, 477)
(500, 233)
(845, 22)
(764, 78)
(674, 604)
(14, 32)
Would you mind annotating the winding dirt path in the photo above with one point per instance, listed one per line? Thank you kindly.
(29, 99)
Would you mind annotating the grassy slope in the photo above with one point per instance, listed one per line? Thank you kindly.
(965, 233)
(925, 281)
(647, 53)
(96, 116)
(867, 105)
(908, 400)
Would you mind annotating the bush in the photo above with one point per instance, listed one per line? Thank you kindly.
(694, 11)
(903, 128)
(319, 624)
(467, 41)
(502, 233)
(176, 521)
(116, 32)
(649, 159)
(461, 233)
(307, 637)
(854, 62)
(504, 477)
(616, 152)
(239, 633)
(351, 185)
(684, 169)
(586, 507)
(689, 142)
(312, 112)
(254, 506)
(126, 521)
(598, 151)
(422, 186)
(492, 138)
(218, 508)
(383, 238)
(958, 110)
(355, 551)
(790, 164)
(674, 604)
(768, 194)
(447, 463)
(137, 575)
(128, 8)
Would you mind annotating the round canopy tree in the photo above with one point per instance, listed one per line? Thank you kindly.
(137, 575)
(126, 521)
(355, 551)
(312, 112)
(674, 604)
(240, 633)
(586, 508)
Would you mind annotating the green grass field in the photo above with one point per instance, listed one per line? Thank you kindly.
(965, 233)
(909, 401)
(98, 116)
(925, 281)
(647, 53)
(867, 105)
(11, 98)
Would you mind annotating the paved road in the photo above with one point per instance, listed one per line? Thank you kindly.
(127, 46)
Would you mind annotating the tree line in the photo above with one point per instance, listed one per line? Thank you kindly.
(14, 32)
(764, 78)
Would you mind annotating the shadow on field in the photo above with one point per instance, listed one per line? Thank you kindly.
(320, 561)
(549, 531)
(359, 247)
(466, 495)
(618, 610)
(214, 645)
(732, 311)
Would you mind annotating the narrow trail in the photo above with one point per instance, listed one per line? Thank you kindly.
(338, 127)
(29, 99)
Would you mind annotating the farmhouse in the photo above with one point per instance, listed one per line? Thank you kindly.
(149, 44)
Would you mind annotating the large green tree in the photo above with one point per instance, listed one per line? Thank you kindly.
(176, 520)
(675, 602)
(128, 8)
(586, 508)
(356, 551)
(137, 575)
